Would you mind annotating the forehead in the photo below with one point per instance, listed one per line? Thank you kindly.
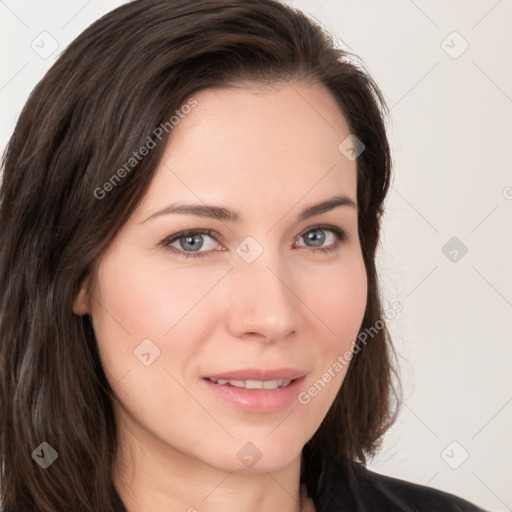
(253, 145)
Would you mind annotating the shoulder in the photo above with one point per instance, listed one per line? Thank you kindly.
(355, 487)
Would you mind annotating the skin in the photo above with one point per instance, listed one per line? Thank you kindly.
(290, 307)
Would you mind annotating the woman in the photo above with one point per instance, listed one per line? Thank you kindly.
(190, 208)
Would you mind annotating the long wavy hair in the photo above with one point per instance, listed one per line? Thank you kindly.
(113, 86)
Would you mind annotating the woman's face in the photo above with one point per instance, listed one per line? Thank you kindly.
(253, 301)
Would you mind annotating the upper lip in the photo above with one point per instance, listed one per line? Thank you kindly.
(258, 374)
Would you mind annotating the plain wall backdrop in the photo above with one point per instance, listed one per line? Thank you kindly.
(444, 67)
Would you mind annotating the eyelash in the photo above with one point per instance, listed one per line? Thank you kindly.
(340, 235)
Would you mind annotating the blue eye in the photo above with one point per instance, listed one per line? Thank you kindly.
(194, 239)
(338, 234)
(189, 239)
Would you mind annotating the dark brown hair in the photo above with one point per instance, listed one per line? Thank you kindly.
(122, 78)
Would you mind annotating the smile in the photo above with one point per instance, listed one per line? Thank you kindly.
(251, 395)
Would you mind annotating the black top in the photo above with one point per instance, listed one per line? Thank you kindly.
(351, 487)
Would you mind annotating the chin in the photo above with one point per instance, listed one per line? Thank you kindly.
(255, 456)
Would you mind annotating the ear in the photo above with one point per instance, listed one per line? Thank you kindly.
(81, 304)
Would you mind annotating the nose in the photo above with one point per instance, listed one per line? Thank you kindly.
(263, 304)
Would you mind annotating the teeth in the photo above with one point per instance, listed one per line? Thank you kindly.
(255, 384)
(271, 384)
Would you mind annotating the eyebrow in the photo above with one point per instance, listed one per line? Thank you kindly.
(225, 214)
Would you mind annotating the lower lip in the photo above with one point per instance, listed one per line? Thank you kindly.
(257, 400)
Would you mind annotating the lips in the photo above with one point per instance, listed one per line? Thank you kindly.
(246, 394)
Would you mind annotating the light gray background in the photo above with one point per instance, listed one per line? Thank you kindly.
(451, 128)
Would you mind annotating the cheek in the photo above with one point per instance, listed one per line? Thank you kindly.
(337, 297)
(150, 309)
(140, 301)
